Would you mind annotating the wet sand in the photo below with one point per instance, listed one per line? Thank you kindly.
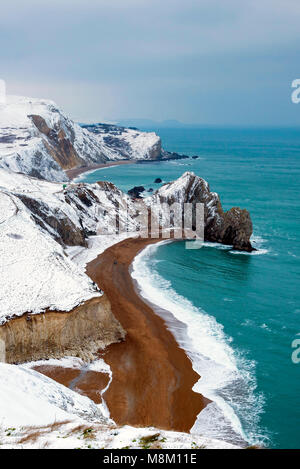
(152, 377)
(74, 173)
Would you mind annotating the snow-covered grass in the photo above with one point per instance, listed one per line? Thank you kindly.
(79, 434)
(36, 272)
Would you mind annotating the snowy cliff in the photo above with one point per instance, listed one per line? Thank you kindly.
(39, 220)
(124, 143)
(233, 227)
(39, 139)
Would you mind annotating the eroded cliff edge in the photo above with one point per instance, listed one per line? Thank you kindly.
(54, 334)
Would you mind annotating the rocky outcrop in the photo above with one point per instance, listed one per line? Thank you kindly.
(236, 229)
(54, 334)
(136, 192)
(233, 227)
(59, 146)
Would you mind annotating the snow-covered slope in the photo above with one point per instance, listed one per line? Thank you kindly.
(38, 220)
(30, 398)
(125, 143)
(38, 139)
(34, 270)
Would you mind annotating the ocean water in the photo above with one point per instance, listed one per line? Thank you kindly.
(242, 310)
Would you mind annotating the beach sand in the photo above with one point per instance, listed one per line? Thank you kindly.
(76, 172)
(152, 377)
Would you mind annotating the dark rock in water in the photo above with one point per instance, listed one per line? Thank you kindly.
(157, 181)
(150, 190)
(136, 192)
(195, 157)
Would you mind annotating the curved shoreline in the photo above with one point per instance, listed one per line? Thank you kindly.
(152, 376)
(76, 172)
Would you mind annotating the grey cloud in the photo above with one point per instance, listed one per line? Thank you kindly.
(215, 61)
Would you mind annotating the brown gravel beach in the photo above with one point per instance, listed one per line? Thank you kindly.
(152, 377)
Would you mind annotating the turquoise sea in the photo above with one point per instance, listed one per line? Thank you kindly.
(242, 310)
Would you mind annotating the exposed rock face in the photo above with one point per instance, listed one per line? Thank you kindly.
(80, 332)
(237, 229)
(59, 146)
(38, 139)
(233, 227)
(67, 232)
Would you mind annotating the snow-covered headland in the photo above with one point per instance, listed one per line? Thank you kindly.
(37, 138)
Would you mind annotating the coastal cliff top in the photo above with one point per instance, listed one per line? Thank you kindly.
(35, 273)
(45, 228)
(39, 139)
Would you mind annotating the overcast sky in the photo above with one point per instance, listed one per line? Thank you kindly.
(198, 61)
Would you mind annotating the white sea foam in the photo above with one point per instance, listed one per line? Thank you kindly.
(257, 242)
(227, 378)
(259, 252)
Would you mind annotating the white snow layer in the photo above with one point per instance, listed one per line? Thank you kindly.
(56, 417)
(29, 398)
(35, 271)
(38, 273)
(132, 144)
(24, 148)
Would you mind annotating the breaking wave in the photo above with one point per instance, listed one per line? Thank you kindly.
(227, 377)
